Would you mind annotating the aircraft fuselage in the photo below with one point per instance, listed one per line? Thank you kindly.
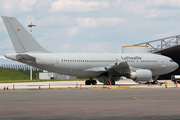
(81, 64)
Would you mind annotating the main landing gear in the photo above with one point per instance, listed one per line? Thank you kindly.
(91, 81)
(153, 81)
(109, 82)
(108, 78)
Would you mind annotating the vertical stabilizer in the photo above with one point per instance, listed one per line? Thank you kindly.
(22, 40)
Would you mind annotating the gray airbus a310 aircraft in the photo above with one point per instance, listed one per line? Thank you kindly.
(106, 67)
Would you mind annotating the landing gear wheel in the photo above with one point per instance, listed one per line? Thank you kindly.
(89, 82)
(94, 82)
(106, 83)
(112, 82)
(177, 82)
(156, 82)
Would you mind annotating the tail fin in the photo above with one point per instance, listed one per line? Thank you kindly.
(20, 37)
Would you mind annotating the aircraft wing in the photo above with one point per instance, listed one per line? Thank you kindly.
(96, 69)
(119, 66)
(122, 68)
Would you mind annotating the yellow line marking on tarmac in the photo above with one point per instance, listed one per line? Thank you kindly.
(136, 98)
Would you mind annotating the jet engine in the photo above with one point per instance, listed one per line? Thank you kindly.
(140, 75)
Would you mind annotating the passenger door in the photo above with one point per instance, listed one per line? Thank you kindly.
(163, 64)
(57, 61)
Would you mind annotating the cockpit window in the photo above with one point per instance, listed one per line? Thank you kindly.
(171, 60)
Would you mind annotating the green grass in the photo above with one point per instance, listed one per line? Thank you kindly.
(9, 74)
(13, 76)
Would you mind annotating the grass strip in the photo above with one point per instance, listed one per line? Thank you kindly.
(14, 76)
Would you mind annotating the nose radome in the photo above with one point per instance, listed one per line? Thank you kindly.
(176, 66)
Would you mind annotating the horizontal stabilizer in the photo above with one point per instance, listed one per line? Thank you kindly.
(21, 57)
(25, 57)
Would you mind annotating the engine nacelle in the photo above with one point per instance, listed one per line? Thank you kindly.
(141, 75)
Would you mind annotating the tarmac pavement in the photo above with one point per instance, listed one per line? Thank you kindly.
(107, 104)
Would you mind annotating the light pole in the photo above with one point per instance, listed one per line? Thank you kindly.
(31, 25)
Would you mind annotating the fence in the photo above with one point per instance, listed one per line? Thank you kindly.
(20, 67)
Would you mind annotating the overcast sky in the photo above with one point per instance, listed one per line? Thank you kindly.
(91, 26)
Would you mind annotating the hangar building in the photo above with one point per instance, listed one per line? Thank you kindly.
(170, 47)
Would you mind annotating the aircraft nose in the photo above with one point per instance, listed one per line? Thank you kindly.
(176, 66)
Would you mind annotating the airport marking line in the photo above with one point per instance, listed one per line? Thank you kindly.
(135, 98)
